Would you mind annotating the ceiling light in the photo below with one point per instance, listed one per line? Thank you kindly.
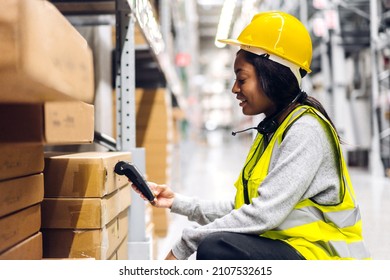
(225, 21)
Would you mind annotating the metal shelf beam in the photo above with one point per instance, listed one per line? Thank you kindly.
(69, 7)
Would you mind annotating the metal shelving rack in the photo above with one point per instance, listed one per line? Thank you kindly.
(125, 14)
(380, 41)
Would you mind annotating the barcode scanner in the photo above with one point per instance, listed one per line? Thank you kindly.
(132, 173)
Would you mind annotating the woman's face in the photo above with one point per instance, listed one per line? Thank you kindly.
(248, 89)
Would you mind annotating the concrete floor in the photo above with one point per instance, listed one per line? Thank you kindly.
(208, 169)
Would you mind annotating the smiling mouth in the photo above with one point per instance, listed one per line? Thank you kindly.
(242, 101)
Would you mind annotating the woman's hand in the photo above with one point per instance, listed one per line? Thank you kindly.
(170, 256)
(164, 195)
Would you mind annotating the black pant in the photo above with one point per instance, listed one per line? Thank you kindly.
(238, 246)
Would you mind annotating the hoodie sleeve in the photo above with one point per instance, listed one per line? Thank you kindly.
(200, 211)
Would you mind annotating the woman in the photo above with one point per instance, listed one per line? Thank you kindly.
(294, 198)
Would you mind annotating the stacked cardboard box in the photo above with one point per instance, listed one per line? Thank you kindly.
(84, 212)
(121, 252)
(155, 133)
(21, 192)
(47, 86)
(24, 131)
(50, 123)
(44, 58)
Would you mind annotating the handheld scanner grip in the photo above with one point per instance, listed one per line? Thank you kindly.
(131, 172)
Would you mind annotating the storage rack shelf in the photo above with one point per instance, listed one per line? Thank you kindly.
(155, 68)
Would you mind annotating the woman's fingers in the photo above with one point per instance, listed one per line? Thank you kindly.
(152, 187)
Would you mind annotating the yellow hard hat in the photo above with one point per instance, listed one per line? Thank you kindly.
(277, 34)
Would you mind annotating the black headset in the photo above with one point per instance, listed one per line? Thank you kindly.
(270, 124)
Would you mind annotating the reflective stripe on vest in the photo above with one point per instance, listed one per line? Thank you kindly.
(316, 231)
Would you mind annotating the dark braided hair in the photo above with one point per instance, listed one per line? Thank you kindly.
(280, 85)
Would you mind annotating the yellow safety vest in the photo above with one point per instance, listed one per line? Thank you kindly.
(316, 231)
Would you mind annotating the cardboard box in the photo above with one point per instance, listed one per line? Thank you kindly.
(162, 149)
(159, 176)
(154, 126)
(28, 249)
(99, 243)
(54, 122)
(158, 155)
(159, 159)
(161, 221)
(46, 57)
(18, 226)
(20, 159)
(20, 193)
(121, 253)
(152, 113)
(88, 174)
(154, 121)
(150, 134)
(84, 213)
(139, 37)
(151, 96)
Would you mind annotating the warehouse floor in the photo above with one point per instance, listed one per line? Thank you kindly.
(207, 168)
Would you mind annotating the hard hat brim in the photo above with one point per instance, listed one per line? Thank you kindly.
(230, 42)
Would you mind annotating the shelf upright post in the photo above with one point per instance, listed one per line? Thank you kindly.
(125, 76)
(139, 247)
(376, 166)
